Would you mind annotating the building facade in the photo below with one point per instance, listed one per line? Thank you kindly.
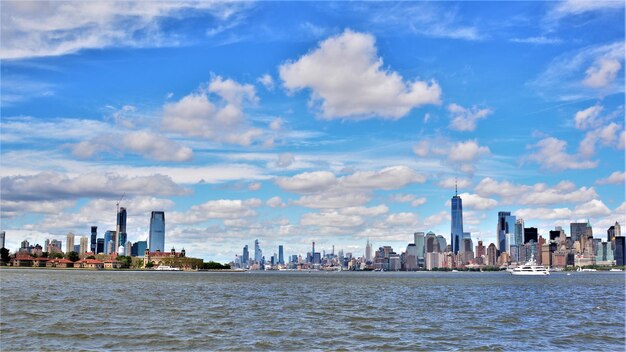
(156, 237)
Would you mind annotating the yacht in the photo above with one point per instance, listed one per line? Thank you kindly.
(530, 268)
(167, 268)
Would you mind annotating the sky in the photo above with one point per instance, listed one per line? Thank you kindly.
(292, 122)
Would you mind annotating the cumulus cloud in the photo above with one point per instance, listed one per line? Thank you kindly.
(364, 211)
(195, 115)
(307, 182)
(331, 219)
(474, 201)
(216, 209)
(255, 186)
(285, 160)
(452, 182)
(602, 73)
(550, 154)
(537, 194)
(464, 119)
(54, 186)
(54, 28)
(348, 80)
(463, 155)
(401, 219)
(437, 219)
(592, 208)
(388, 178)
(11, 209)
(333, 200)
(616, 178)
(275, 202)
(605, 136)
(150, 145)
(588, 117)
(267, 81)
(276, 124)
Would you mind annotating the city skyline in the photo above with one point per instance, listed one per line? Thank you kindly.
(267, 121)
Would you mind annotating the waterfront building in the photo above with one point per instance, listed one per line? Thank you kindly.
(580, 230)
(138, 248)
(2, 238)
(76, 248)
(443, 245)
(120, 239)
(368, 251)
(245, 257)
(466, 253)
(128, 247)
(456, 231)
(59, 263)
(410, 259)
(88, 263)
(156, 237)
(418, 240)
(506, 225)
(612, 232)
(281, 258)
(604, 254)
(519, 232)
(108, 237)
(620, 250)
(99, 245)
(432, 244)
(69, 243)
(84, 245)
(492, 255)
(258, 255)
(394, 262)
(94, 237)
(531, 234)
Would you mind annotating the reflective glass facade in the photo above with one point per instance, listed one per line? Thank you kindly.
(156, 239)
(456, 233)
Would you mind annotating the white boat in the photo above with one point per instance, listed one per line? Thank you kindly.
(166, 268)
(615, 269)
(530, 268)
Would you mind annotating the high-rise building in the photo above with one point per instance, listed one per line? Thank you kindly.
(120, 239)
(156, 237)
(281, 258)
(531, 233)
(368, 251)
(2, 238)
(614, 230)
(108, 237)
(506, 225)
(432, 243)
(456, 233)
(100, 245)
(620, 251)
(84, 244)
(258, 255)
(94, 237)
(580, 231)
(245, 257)
(418, 240)
(138, 249)
(492, 255)
(519, 232)
(69, 243)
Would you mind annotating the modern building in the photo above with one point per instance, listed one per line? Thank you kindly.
(519, 232)
(531, 234)
(108, 237)
(506, 225)
(492, 255)
(368, 251)
(580, 231)
(245, 257)
(156, 237)
(69, 243)
(418, 240)
(620, 250)
(281, 258)
(258, 254)
(100, 245)
(613, 231)
(456, 231)
(94, 237)
(138, 248)
(84, 244)
(2, 238)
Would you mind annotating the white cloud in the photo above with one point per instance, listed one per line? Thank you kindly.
(550, 154)
(196, 116)
(452, 182)
(333, 200)
(474, 201)
(267, 81)
(348, 80)
(10, 209)
(152, 146)
(602, 73)
(577, 7)
(605, 136)
(537, 194)
(216, 209)
(275, 202)
(590, 209)
(467, 151)
(537, 40)
(401, 219)
(285, 160)
(422, 148)
(464, 119)
(418, 201)
(31, 29)
(388, 178)
(54, 186)
(463, 155)
(255, 186)
(307, 182)
(588, 118)
(437, 219)
(617, 178)
(364, 211)
(276, 124)
(331, 219)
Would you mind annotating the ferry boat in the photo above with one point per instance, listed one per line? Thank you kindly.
(166, 268)
(530, 269)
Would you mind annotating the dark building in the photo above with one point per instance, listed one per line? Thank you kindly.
(245, 257)
(281, 258)
(94, 236)
(580, 230)
(620, 250)
(100, 245)
(554, 235)
(138, 248)
(531, 233)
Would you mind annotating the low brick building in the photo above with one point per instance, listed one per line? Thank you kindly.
(89, 264)
(60, 263)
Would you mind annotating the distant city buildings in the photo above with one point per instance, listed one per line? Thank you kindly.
(156, 238)
(456, 232)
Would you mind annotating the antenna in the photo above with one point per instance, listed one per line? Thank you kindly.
(119, 201)
(456, 191)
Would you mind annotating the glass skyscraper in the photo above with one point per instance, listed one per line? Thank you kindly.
(156, 238)
(456, 233)
(506, 225)
(281, 258)
(257, 252)
(120, 240)
(94, 236)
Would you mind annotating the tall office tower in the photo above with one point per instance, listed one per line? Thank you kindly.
(128, 247)
(580, 231)
(281, 258)
(480, 249)
(84, 244)
(108, 237)
(313, 251)
(368, 251)
(620, 250)
(2, 238)
(121, 228)
(69, 243)
(506, 225)
(456, 233)
(432, 243)
(245, 256)
(156, 238)
(94, 237)
(138, 249)
(443, 245)
(100, 245)
(519, 232)
(257, 252)
(492, 255)
(531, 233)
(418, 240)
(614, 230)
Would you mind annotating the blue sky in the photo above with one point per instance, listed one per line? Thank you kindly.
(294, 121)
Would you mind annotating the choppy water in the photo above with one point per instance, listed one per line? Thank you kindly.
(88, 310)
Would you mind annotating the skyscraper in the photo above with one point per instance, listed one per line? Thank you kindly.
(84, 244)
(108, 237)
(156, 237)
(94, 237)
(506, 225)
(418, 240)
(120, 239)
(580, 230)
(69, 243)
(257, 251)
(456, 233)
(281, 258)
(368, 251)
(519, 232)
(2, 238)
(245, 257)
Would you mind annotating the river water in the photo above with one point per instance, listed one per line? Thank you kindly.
(154, 311)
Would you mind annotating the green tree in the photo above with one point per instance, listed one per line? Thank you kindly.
(91, 257)
(127, 261)
(4, 255)
(215, 266)
(58, 255)
(149, 264)
(73, 256)
(44, 254)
